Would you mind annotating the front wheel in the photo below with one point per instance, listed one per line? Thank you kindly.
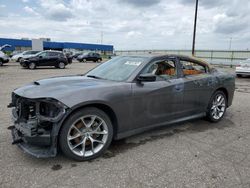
(32, 66)
(1, 63)
(86, 134)
(217, 106)
(239, 75)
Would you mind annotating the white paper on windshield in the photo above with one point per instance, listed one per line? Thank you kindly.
(134, 63)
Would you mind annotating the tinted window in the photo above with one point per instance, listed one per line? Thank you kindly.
(53, 54)
(43, 54)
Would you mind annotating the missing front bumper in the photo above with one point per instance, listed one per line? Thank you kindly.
(39, 151)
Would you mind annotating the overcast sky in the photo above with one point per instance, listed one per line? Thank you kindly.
(130, 24)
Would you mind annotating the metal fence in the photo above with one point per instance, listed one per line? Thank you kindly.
(212, 56)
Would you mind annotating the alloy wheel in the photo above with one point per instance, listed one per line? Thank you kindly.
(218, 106)
(87, 135)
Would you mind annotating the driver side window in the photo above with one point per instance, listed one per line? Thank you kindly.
(44, 54)
(164, 69)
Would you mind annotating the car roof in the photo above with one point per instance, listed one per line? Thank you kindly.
(52, 51)
(156, 56)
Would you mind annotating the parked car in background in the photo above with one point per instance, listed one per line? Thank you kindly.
(124, 96)
(23, 55)
(76, 55)
(46, 58)
(3, 58)
(91, 56)
(14, 53)
(243, 68)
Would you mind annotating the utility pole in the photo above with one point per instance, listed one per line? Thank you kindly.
(195, 20)
(230, 43)
(101, 37)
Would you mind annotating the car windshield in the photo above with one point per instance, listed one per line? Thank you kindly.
(40, 53)
(117, 69)
(26, 53)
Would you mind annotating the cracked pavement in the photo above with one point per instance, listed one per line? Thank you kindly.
(190, 154)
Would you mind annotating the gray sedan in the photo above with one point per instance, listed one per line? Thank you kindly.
(124, 96)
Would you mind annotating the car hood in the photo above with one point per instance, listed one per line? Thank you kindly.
(17, 56)
(64, 89)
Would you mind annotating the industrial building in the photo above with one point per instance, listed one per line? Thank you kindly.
(46, 44)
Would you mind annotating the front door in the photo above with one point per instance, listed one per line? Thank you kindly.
(43, 59)
(159, 101)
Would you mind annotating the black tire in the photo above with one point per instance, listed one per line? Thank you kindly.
(239, 75)
(209, 115)
(84, 60)
(19, 59)
(61, 65)
(63, 142)
(32, 66)
(1, 62)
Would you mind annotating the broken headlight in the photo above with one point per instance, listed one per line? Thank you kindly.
(50, 110)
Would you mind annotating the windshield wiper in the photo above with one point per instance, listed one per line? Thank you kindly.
(93, 76)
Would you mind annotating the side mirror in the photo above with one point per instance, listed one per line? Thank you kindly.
(146, 78)
(40, 56)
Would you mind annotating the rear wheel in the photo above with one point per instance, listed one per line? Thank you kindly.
(19, 59)
(86, 134)
(61, 65)
(32, 66)
(217, 106)
(84, 60)
(99, 60)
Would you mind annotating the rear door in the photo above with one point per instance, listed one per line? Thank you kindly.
(43, 59)
(159, 101)
(198, 83)
(53, 58)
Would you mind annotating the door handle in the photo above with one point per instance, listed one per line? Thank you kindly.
(178, 87)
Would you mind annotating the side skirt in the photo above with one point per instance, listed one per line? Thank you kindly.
(143, 129)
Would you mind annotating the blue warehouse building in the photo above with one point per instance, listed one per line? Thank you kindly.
(24, 44)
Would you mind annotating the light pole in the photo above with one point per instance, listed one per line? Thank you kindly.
(230, 43)
(195, 20)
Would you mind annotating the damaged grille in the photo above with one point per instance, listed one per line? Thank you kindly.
(25, 110)
(41, 109)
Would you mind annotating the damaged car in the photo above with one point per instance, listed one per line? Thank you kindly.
(126, 95)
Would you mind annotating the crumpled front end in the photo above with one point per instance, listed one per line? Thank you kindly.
(36, 124)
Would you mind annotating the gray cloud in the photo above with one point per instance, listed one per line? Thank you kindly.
(56, 10)
(141, 3)
(59, 15)
(229, 27)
